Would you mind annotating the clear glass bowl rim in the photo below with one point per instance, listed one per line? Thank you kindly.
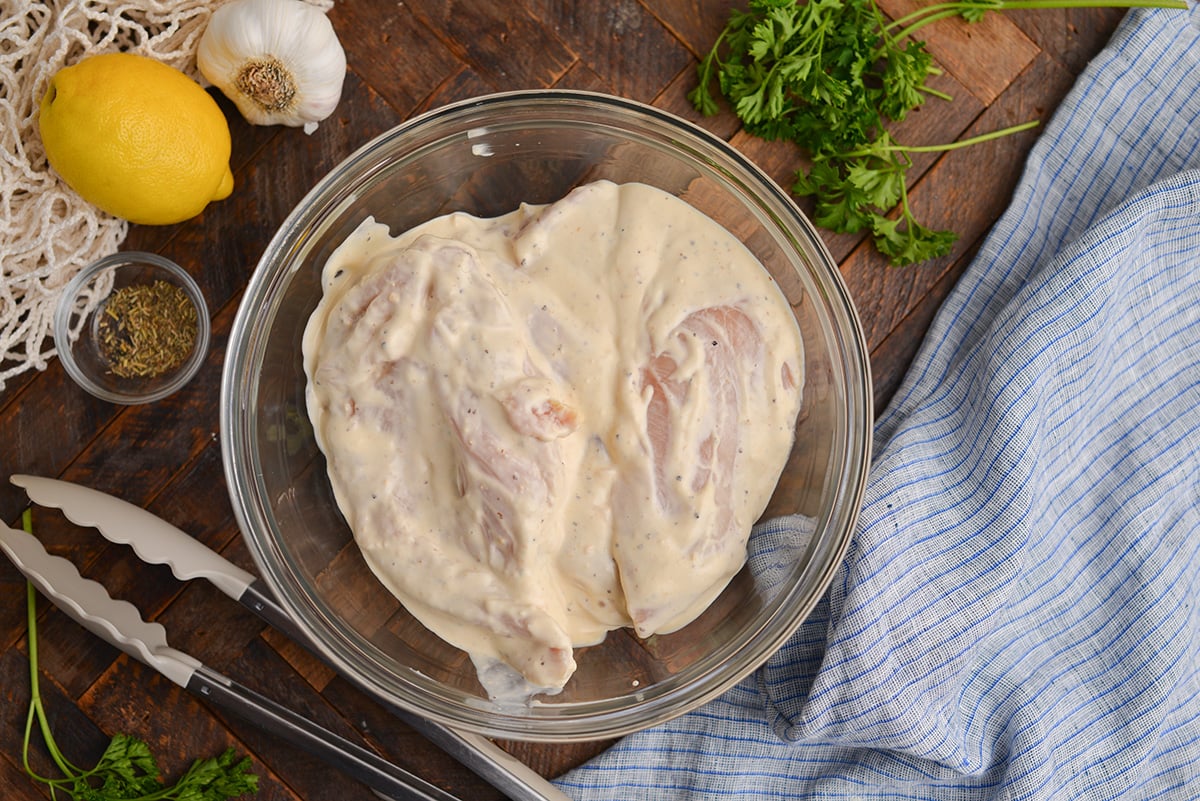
(239, 390)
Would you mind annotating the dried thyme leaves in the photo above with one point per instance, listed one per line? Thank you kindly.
(147, 330)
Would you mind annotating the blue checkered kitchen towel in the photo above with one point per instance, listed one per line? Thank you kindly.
(1019, 612)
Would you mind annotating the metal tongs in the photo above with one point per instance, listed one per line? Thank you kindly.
(121, 624)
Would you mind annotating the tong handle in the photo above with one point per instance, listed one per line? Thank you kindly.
(385, 778)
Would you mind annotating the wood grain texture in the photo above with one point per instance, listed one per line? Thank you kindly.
(406, 58)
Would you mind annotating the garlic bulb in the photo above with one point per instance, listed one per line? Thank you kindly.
(279, 61)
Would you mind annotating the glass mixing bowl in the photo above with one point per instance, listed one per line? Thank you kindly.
(485, 156)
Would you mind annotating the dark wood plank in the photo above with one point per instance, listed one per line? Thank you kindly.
(504, 42)
(620, 40)
(1071, 36)
(14, 783)
(695, 23)
(394, 52)
(12, 605)
(892, 357)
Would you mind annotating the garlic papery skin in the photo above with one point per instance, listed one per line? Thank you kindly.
(279, 61)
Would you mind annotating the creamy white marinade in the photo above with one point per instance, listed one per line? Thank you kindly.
(547, 425)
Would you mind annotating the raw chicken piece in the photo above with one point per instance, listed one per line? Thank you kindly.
(698, 404)
(472, 573)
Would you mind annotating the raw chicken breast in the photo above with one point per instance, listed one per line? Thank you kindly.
(697, 411)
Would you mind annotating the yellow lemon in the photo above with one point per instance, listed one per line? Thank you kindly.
(137, 138)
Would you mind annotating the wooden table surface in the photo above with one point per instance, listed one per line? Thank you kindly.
(405, 58)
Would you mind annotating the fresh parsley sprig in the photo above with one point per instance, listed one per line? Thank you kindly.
(831, 75)
(855, 189)
(126, 771)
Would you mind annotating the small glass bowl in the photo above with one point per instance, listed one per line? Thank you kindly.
(78, 327)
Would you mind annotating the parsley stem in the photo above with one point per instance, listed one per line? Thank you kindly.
(700, 95)
(1179, 4)
(956, 7)
(915, 20)
(35, 696)
(929, 90)
(877, 149)
(36, 711)
(928, 18)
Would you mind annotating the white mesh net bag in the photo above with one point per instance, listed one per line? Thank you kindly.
(47, 232)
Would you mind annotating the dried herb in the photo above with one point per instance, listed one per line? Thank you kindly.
(147, 330)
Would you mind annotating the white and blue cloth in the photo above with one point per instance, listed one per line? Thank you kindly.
(1018, 616)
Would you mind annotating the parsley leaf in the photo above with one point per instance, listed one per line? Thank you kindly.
(905, 241)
